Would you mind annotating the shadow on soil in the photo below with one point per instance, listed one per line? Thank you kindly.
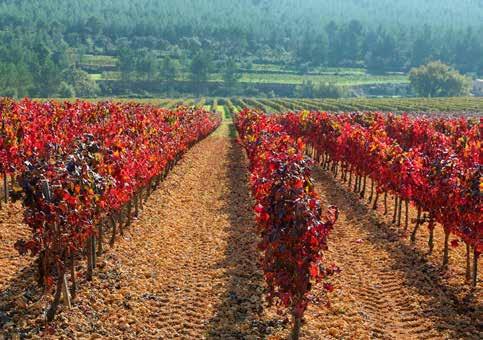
(239, 316)
(450, 313)
(21, 291)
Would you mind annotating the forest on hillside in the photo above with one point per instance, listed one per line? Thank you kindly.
(241, 169)
(42, 43)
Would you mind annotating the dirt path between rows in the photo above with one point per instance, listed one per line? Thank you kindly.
(188, 269)
(388, 288)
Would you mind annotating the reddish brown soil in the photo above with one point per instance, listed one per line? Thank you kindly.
(188, 269)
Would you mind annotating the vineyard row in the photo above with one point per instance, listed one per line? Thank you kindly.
(83, 171)
(432, 164)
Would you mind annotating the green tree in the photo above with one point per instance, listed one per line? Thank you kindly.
(47, 79)
(83, 85)
(352, 39)
(66, 90)
(330, 90)
(334, 53)
(94, 25)
(127, 63)
(313, 49)
(436, 79)
(306, 90)
(169, 69)
(147, 65)
(200, 69)
(15, 80)
(422, 47)
(169, 72)
(309, 89)
(231, 76)
(320, 51)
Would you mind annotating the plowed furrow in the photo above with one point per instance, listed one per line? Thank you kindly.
(380, 274)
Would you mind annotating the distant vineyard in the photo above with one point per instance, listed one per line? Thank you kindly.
(458, 105)
(463, 106)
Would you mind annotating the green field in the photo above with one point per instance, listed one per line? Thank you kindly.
(349, 79)
(98, 60)
(284, 78)
(264, 74)
(274, 68)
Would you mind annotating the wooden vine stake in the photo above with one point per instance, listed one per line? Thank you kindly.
(446, 248)
(72, 276)
(113, 226)
(475, 267)
(385, 202)
(148, 191)
(394, 216)
(468, 263)
(399, 211)
(374, 206)
(5, 187)
(372, 191)
(136, 206)
(58, 291)
(141, 205)
(129, 214)
(120, 221)
(42, 263)
(90, 259)
(101, 237)
(406, 218)
(363, 190)
(65, 292)
(296, 328)
(431, 234)
(418, 223)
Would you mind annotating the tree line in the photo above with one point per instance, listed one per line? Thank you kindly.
(41, 42)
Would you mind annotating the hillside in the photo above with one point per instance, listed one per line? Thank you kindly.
(213, 15)
(229, 42)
